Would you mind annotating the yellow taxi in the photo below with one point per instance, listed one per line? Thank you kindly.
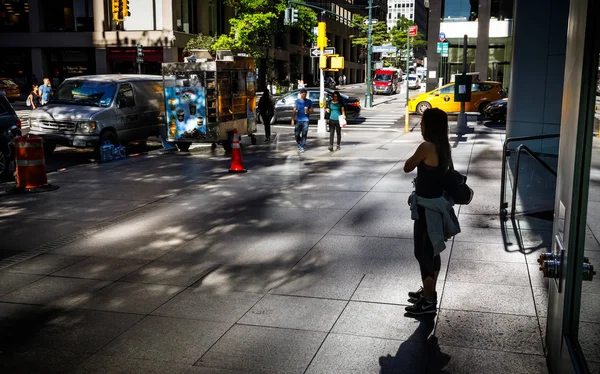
(10, 88)
(482, 93)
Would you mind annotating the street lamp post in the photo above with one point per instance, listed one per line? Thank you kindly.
(369, 92)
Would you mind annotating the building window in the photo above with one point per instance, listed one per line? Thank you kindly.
(460, 10)
(501, 9)
(68, 15)
(186, 16)
(14, 16)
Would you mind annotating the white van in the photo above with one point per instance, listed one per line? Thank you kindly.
(413, 81)
(88, 111)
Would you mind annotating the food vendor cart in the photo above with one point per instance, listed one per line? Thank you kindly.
(206, 100)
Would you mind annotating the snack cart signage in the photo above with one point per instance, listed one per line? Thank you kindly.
(251, 104)
(186, 112)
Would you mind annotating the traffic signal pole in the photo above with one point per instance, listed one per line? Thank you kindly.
(369, 92)
(321, 41)
(406, 115)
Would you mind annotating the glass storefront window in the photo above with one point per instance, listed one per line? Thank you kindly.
(460, 10)
(186, 15)
(14, 16)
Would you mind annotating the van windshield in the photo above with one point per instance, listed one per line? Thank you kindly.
(383, 77)
(82, 92)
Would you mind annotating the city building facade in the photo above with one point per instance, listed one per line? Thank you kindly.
(413, 10)
(488, 25)
(64, 38)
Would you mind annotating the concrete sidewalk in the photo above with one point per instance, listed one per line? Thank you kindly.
(167, 263)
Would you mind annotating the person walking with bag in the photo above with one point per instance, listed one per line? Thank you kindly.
(335, 110)
(33, 100)
(266, 108)
(435, 221)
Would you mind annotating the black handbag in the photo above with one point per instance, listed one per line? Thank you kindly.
(455, 185)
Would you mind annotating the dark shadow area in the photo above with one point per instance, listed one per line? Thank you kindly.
(419, 354)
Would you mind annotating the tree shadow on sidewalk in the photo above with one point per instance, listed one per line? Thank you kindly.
(419, 354)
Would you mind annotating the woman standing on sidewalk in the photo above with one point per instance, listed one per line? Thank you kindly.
(335, 109)
(433, 214)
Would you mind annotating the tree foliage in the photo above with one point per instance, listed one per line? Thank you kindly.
(201, 42)
(257, 22)
(398, 35)
(379, 34)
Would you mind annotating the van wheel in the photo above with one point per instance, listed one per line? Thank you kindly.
(423, 106)
(183, 146)
(108, 136)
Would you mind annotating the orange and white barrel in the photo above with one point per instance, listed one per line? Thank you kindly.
(30, 161)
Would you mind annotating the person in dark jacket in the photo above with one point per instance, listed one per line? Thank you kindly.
(431, 159)
(266, 108)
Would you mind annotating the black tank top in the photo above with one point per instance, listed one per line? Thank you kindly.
(429, 181)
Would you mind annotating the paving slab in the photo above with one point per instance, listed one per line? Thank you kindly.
(101, 268)
(82, 330)
(362, 254)
(488, 252)
(179, 273)
(469, 360)
(181, 341)
(13, 281)
(42, 361)
(128, 297)
(225, 244)
(208, 306)
(263, 350)
(351, 354)
(501, 332)
(311, 199)
(55, 291)
(500, 273)
(383, 321)
(320, 283)
(391, 289)
(492, 298)
(47, 231)
(292, 312)
(44, 264)
(103, 364)
(257, 279)
(371, 221)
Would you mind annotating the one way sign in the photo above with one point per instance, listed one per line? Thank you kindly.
(316, 52)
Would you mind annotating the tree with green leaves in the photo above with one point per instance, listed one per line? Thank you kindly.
(201, 42)
(399, 34)
(379, 34)
(256, 25)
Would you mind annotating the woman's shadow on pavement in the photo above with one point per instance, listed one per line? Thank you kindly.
(420, 354)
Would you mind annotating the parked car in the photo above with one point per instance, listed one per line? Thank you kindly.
(10, 127)
(285, 105)
(482, 93)
(496, 111)
(10, 89)
(88, 111)
(413, 81)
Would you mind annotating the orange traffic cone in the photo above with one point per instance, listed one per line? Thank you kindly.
(237, 166)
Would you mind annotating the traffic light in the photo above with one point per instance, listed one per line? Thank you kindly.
(125, 9)
(322, 35)
(294, 15)
(287, 15)
(331, 62)
(115, 10)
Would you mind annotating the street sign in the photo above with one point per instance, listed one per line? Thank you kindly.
(373, 21)
(442, 48)
(412, 30)
(384, 49)
(316, 52)
(442, 37)
(139, 60)
(379, 65)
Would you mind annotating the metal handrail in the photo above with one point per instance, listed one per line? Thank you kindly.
(524, 148)
(503, 204)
